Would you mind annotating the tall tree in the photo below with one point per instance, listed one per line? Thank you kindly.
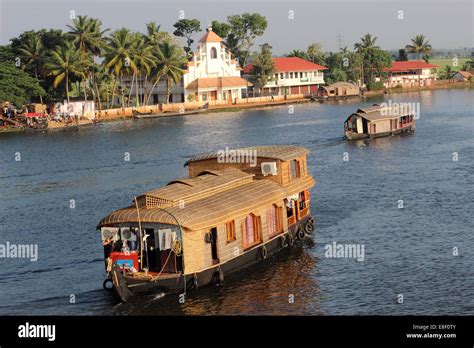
(315, 53)
(169, 66)
(419, 46)
(118, 59)
(186, 28)
(32, 54)
(366, 47)
(263, 68)
(298, 53)
(16, 86)
(64, 64)
(87, 36)
(245, 28)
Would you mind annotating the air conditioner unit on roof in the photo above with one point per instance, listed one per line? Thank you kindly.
(269, 168)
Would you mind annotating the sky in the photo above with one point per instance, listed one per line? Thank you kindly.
(292, 24)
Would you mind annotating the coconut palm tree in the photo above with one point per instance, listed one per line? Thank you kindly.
(419, 46)
(366, 47)
(63, 64)
(145, 61)
(169, 65)
(32, 53)
(297, 53)
(87, 36)
(118, 59)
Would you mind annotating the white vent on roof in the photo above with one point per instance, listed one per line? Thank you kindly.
(269, 168)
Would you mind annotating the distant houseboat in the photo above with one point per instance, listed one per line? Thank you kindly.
(378, 121)
(227, 215)
(338, 90)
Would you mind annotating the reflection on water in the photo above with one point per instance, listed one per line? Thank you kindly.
(407, 250)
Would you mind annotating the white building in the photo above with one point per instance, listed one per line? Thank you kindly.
(212, 74)
(293, 76)
(410, 73)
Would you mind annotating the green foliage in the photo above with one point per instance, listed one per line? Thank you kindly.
(16, 86)
(186, 28)
(419, 46)
(336, 74)
(298, 53)
(263, 68)
(375, 86)
(315, 54)
(245, 28)
(220, 28)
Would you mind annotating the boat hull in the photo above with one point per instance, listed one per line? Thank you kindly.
(357, 136)
(127, 286)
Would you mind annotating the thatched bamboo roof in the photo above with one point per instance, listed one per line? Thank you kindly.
(207, 212)
(377, 113)
(278, 152)
(190, 189)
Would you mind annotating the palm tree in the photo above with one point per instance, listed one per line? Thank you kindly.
(366, 47)
(297, 53)
(87, 36)
(63, 64)
(419, 45)
(448, 72)
(32, 52)
(117, 57)
(145, 62)
(170, 60)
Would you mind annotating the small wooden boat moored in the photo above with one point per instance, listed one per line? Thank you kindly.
(378, 121)
(228, 214)
(151, 114)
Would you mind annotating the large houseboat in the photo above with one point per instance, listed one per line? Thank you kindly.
(227, 215)
(378, 121)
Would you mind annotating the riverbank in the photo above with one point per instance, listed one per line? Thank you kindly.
(181, 109)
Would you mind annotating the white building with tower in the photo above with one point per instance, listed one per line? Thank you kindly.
(212, 74)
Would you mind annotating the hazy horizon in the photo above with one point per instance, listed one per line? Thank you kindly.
(334, 24)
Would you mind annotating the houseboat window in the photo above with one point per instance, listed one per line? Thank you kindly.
(291, 75)
(213, 53)
(289, 208)
(295, 169)
(274, 220)
(304, 199)
(252, 230)
(230, 230)
(282, 75)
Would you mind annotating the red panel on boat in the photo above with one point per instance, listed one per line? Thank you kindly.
(126, 260)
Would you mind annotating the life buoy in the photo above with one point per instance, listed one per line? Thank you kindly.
(290, 239)
(300, 233)
(104, 284)
(263, 252)
(218, 277)
(282, 242)
(309, 227)
(193, 282)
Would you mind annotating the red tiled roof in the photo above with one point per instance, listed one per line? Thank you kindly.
(290, 64)
(211, 36)
(465, 74)
(410, 65)
(215, 82)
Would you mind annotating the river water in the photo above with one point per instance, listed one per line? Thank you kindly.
(423, 254)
